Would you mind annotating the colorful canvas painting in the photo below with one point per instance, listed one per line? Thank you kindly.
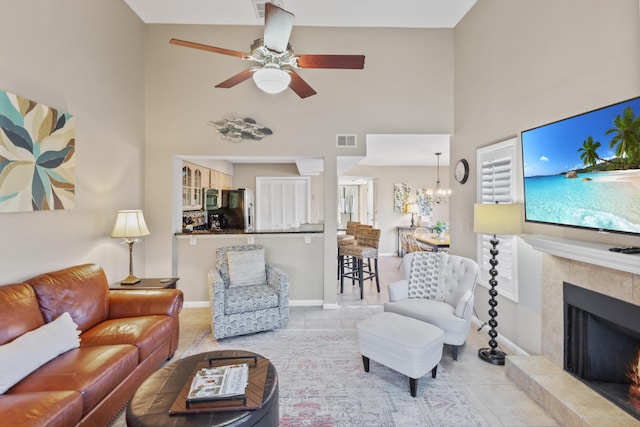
(424, 202)
(400, 196)
(37, 156)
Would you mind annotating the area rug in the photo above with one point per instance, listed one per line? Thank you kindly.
(323, 383)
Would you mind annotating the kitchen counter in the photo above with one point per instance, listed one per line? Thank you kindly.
(298, 251)
(305, 228)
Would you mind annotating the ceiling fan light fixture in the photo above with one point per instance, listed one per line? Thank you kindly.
(272, 80)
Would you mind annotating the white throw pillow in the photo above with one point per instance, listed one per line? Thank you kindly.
(246, 268)
(33, 349)
(427, 278)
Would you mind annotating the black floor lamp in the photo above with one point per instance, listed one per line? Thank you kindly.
(495, 219)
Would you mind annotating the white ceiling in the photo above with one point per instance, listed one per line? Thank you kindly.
(326, 13)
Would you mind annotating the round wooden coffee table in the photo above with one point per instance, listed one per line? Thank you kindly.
(149, 406)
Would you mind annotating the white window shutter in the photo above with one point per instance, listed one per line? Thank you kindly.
(496, 183)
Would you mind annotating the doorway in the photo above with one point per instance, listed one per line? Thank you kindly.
(356, 201)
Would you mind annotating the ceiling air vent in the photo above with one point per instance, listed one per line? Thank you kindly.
(258, 6)
(346, 141)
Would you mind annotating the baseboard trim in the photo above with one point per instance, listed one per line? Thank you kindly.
(305, 302)
(292, 303)
(196, 304)
(502, 340)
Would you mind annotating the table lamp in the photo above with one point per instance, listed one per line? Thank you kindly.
(413, 208)
(495, 219)
(129, 225)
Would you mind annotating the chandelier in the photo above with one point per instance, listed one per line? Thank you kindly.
(439, 195)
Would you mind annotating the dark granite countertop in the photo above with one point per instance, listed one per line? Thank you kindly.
(303, 229)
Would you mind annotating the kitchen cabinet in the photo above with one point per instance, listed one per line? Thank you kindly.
(195, 178)
(220, 180)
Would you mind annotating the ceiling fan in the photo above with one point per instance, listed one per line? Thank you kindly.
(276, 61)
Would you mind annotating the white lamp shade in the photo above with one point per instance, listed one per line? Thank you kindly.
(271, 80)
(130, 223)
(497, 218)
(413, 208)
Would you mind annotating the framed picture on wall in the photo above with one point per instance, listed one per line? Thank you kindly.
(41, 140)
(425, 208)
(400, 196)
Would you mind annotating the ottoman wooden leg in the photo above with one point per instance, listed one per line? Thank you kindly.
(434, 371)
(365, 361)
(413, 386)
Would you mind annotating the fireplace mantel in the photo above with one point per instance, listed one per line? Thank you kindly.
(588, 252)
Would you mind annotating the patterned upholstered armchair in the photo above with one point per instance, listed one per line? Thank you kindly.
(247, 295)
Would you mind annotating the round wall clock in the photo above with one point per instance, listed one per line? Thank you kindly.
(461, 171)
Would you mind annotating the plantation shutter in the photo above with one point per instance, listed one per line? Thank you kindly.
(496, 183)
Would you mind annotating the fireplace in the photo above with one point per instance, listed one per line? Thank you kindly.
(602, 345)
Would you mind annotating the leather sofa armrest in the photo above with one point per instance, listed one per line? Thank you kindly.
(145, 302)
(148, 302)
(398, 290)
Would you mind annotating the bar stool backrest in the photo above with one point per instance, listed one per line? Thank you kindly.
(352, 226)
(369, 237)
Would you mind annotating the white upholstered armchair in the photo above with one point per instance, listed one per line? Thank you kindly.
(438, 289)
(247, 295)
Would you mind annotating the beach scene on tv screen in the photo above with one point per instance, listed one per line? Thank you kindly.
(584, 171)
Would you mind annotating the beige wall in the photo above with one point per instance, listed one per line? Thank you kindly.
(390, 95)
(521, 64)
(85, 58)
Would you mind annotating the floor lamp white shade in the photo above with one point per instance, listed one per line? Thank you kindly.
(497, 218)
(129, 225)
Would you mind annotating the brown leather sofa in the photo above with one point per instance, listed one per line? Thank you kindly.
(125, 336)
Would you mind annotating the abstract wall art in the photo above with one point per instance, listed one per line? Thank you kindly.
(424, 201)
(400, 196)
(37, 156)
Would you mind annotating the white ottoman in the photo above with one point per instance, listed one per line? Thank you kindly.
(406, 345)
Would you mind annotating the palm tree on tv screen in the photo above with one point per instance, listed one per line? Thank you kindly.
(626, 139)
(588, 152)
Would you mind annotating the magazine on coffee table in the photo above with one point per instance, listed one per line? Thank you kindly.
(219, 382)
(251, 400)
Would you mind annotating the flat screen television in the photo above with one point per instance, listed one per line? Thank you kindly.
(584, 171)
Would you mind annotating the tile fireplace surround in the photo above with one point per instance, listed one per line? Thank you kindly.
(590, 266)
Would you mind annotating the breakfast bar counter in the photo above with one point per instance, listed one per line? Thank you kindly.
(299, 251)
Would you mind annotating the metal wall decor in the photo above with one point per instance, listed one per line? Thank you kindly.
(238, 129)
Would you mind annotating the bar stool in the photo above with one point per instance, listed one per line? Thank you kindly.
(368, 240)
(348, 262)
(347, 239)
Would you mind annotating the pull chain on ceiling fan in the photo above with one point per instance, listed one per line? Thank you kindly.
(276, 60)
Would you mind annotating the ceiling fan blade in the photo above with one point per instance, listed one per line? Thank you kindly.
(352, 62)
(299, 86)
(238, 78)
(277, 27)
(208, 48)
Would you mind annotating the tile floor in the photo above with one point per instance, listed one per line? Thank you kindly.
(500, 401)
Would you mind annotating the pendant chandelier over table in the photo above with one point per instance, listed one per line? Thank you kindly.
(439, 194)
